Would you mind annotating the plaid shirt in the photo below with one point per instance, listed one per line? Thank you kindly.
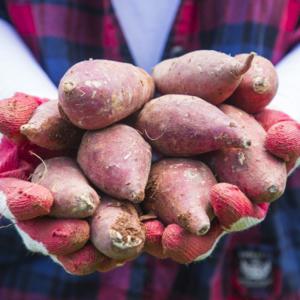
(261, 263)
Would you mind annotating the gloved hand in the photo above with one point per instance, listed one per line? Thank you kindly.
(233, 210)
(283, 136)
(27, 204)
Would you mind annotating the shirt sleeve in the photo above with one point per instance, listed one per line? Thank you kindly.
(19, 71)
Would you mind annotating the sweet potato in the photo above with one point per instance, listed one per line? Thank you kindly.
(116, 230)
(73, 196)
(283, 140)
(260, 175)
(207, 74)
(48, 129)
(258, 86)
(181, 125)
(178, 191)
(23, 200)
(97, 93)
(117, 160)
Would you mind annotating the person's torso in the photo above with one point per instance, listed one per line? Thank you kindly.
(63, 32)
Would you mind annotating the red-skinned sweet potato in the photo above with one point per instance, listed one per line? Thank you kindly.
(178, 191)
(49, 130)
(73, 196)
(260, 175)
(97, 93)
(207, 74)
(258, 86)
(180, 125)
(116, 230)
(117, 160)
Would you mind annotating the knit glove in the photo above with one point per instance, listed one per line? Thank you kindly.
(233, 212)
(27, 205)
(232, 208)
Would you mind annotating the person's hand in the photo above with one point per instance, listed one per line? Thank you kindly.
(283, 136)
(27, 205)
(233, 212)
(232, 208)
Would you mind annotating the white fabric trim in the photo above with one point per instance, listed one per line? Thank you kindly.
(205, 255)
(4, 210)
(32, 245)
(243, 224)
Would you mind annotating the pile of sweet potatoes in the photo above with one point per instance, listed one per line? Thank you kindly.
(158, 175)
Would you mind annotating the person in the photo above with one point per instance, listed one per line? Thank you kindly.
(262, 263)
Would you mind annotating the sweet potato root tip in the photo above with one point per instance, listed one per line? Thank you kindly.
(257, 87)
(245, 65)
(46, 128)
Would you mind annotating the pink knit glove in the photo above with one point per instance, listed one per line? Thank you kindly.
(27, 204)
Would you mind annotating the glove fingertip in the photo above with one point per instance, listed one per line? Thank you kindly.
(283, 140)
(233, 209)
(16, 111)
(153, 245)
(82, 262)
(58, 236)
(184, 247)
(24, 200)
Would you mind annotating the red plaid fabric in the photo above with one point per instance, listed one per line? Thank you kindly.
(63, 32)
